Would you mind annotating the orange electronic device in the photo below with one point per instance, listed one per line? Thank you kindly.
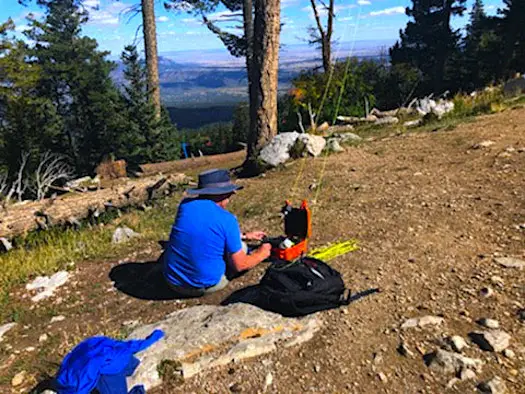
(297, 229)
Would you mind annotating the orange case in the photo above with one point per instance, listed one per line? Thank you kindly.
(300, 248)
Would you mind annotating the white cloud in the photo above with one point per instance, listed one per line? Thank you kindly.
(389, 11)
(91, 3)
(364, 2)
(21, 28)
(163, 19)
(108, 15)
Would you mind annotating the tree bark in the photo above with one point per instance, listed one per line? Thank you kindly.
(264, 78)
(150, 46)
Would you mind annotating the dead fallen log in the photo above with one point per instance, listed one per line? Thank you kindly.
(69, 209)
(168, 167)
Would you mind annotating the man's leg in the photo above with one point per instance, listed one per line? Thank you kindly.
(219, 286)
(186, 291)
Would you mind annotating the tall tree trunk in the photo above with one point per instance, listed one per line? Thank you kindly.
(264, 80)
(325, 36)
(150, 46)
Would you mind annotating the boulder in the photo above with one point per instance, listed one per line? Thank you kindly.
(332, 145)
(323, 127)
(344, 138)
(514, 87)
(439, 108)
(308, 144)
(496, 385)
(447, 362)
(492, 341)
(203, 337)
(123, 234)
(278, 150)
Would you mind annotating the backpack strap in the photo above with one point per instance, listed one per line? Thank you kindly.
(346, 300)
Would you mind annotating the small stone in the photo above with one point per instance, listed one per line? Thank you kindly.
(509, 353)
(489, 323)
(57, 319)
(452, 382)
(486, 292)
(18, 379)
(5, 245)
(423, 321)
(467, 374)
(382, 377)
(494, 386)
(404, 350)
(497, 280)
(430, 321)
(30, 349)
(493, 341)
(42, 338)
(5, 328)
(269, 380)
(510, 262)
(123, 234)
(458, 343)
(236, 388)
(521, 315)
(484, 144)
(317, 368)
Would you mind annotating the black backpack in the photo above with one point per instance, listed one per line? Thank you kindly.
(301, 287)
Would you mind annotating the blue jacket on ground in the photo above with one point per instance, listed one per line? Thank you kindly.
(201, 238)
(102, 363)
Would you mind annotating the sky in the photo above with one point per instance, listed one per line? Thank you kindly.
(356, 20)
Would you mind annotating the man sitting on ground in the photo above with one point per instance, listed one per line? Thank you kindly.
(205, 246)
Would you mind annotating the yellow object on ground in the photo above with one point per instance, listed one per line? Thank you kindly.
(327, 253)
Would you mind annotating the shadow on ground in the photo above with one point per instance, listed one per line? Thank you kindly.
(142, 280)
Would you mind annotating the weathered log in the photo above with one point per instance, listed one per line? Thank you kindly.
(19, 219)
(168, 167)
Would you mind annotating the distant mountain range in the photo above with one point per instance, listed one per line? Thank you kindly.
(213, 78)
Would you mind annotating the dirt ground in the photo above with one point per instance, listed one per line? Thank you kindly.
(430, 212)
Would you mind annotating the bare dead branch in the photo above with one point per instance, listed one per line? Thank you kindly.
(52, 167)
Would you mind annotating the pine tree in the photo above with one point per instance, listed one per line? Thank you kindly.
(149, 138)
(29, 123)
(76, 78)
(514, 35)
(482, 50)
(428, 42)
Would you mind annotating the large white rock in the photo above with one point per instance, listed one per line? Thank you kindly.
(204, 337)
(309, 144)
(278, 150)
(438, 108)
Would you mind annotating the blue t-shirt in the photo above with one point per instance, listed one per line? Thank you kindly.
(201, 238)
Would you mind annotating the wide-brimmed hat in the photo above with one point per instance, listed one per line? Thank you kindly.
(215, 182)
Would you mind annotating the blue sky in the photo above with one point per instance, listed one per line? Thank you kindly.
(356, 20)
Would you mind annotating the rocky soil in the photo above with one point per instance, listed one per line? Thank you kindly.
(440, 219)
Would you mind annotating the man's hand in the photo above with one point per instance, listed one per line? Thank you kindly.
(255, 235)
(264, 250)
